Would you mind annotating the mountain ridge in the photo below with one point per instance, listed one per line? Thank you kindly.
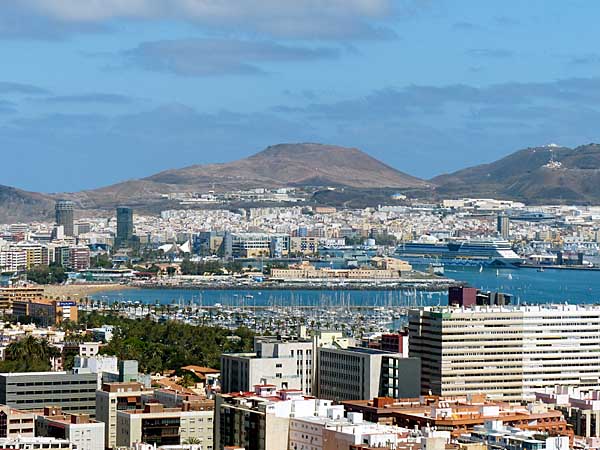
(281, 165)
(546, 174)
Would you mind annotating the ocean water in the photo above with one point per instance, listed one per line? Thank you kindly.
(526, 285)
(531, 286)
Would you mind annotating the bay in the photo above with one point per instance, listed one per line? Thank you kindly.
(526, 286)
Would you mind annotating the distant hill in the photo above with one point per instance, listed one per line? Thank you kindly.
(291, 165)
(19, 206)
(549, 174)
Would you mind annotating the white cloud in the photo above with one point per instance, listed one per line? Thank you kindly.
(282, 18)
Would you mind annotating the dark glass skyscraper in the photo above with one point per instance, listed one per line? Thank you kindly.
(124, 226)
(64, 215)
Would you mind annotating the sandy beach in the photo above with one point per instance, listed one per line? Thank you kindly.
(78, 291)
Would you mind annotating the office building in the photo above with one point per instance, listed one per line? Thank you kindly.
(124, 227)
(64, 213)
(357, 373)
(467, 296)
(506, 352)
(62, 255)
(160, 426)
(503, 226)
(8, 295)
(395, 342)
(79, 429)
(251, 245)
(287, 364)
(74, 393)
(46, 311)
(15, 423)
(104, 366)
(114, 397)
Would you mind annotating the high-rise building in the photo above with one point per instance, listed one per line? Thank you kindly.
(503, 226)
(506, 352)
(64, 216)
(115, 397)
(79, 257)
(124, 226)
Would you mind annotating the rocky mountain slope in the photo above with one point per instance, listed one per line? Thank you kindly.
(549, 174)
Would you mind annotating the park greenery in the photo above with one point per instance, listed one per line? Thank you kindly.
(169, 345)
(42, 274)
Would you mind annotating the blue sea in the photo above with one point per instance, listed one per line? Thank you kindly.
(526, 286)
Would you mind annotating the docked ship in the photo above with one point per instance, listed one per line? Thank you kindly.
(493, 252)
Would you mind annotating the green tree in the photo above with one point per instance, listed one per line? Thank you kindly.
(187, 381)
(169, 345)
(43, 274)
(29, 354)
(101, 261)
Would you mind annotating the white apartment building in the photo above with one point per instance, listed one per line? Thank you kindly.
(13, 260)
(36, 443)
(321, 431)
(80, 430)
(507, 352)
(287, 363)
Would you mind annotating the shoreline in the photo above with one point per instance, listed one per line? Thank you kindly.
(78, 291)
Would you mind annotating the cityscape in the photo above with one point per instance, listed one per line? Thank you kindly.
(262, 225)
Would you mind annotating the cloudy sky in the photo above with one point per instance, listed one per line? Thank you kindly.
(97, 91)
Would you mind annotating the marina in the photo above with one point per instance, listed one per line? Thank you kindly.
(357, 312)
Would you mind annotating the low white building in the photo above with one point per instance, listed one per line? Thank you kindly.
(313, 433)
(79, 429)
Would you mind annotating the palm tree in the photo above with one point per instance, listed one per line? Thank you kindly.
(31, 353)
(193, 440)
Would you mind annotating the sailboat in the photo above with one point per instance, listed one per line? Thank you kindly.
(510, 276)
(480, 269)
(497, 272)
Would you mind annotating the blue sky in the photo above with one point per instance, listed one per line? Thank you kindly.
(96, 92)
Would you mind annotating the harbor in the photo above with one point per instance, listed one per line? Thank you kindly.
(357, 312)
